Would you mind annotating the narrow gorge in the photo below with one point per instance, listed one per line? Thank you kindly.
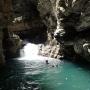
(61, 26)
(43, 41)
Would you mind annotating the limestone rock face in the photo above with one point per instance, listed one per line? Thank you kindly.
(73, 25)
(38, 22)
(4, 15)
(82, 47)
(69, 22)
(2, 59)
(11, 44)
(51, 47)
(5, 20)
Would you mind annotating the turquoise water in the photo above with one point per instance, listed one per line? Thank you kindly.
(33, 75)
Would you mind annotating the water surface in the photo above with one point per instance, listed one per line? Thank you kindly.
(30, 72)
(27, 75)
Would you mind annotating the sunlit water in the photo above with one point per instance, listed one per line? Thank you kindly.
(34, 74)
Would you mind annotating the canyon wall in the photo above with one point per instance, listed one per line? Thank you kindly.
(19, 17)
(61, 25)
(69, 22)
(73, 24)
(51, 47)
(9, 43)
(2, 58)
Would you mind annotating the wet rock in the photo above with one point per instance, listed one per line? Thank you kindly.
(66, 24)
(2, 59)
(11, 45)
(73, 25)
(51, 49)
(82, 48)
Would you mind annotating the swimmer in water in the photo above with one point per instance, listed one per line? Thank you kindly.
(47, 62)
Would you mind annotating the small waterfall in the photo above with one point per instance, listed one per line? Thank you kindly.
(30, 52)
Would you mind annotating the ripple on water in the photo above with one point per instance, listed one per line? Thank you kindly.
(66, 76)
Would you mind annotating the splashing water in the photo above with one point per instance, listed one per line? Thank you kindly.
(30, 52)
